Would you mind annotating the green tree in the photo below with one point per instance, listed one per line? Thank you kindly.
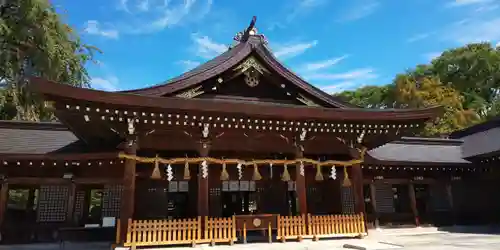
(34, 40)
(427, 91)
(370, 96)
(474, 71)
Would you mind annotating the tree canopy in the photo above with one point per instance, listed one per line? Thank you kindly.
(34, 40)
(465, 81)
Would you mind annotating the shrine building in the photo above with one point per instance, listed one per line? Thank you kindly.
(240, 143)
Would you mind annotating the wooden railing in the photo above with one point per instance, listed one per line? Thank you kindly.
(223, 230)
(220, 230)
(336, 225)
(163, 232)
(291, 227)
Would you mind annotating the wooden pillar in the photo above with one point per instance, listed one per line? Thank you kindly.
(373, 198)
(413, 203)
(4, 195)
(357, 182)
(203, 188)
(128, 195)
(71, 203)
(449, 194)
(300, 182)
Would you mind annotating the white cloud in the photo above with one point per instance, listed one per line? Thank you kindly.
(143, 5)
(431, 56)
(357, 74)
(188, 64)
(288, 51)
(344, 81)
(148, 16)
(339, 87)
(459, 3)
(302, 7)
(360, 11)
(314, 66)
(473, 30)
(497, 45)
(418, 37)
(206, 48)
(93, 27)
(109, 83)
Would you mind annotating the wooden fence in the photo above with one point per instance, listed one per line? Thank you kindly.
(163, 232)
(145, 233)
(291, 227)
(220, 230)
(142, 233)
(336, 225)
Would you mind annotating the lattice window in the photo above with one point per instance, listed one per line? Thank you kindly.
(79, 203)
(111, 200)
(439, 198)
(384, 198)
(215, 201)
(52, 204)
(347, 200)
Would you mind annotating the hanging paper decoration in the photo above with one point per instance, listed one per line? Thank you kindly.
(224, 175)
(333, 173)
(301, 169)
(319, 175)
(240, 171)
(286, 175)
(187, 174)
(204, 169)
(271, 170)
(170, 174)
(256, 175)
(156, 174)
(347, 182)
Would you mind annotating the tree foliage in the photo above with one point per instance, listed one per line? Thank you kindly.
(465, 81)
(34, 40)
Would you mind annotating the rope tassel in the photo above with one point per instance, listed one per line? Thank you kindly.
(256, 175)
(224, 175)
(319, 175)
(286, 175)
(187, 174)
(347, 182)
(156, 174)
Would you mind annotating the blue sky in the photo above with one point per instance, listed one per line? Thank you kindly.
(334, 44)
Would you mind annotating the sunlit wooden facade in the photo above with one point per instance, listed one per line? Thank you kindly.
(244, 105)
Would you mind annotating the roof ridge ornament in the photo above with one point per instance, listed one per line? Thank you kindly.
(243, 36)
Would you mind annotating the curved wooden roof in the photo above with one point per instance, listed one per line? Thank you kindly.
(55, 92)
(254, 45)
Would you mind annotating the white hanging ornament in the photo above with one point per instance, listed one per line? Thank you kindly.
(170, 175)
(204, 169)
(301, 169)
(240, 171)
(333, 173)
(271, 170)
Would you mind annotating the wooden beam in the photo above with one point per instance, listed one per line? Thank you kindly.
(70, 208)
(357, 179)
(60, 157)
(373, 198)
(60, 181)
(4, 195)
(128, 196)
(203, 187)
(413, 203)
(300, 182)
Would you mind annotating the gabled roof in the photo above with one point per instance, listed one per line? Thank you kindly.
(478, 128)
(20, 137)
(420, 150)
(254, 45)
